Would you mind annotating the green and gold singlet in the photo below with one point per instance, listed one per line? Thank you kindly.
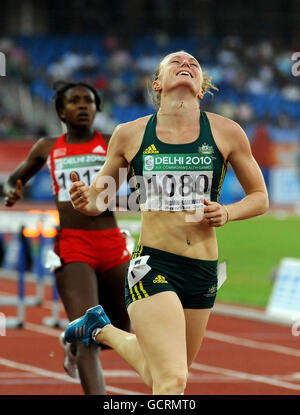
(176, 177)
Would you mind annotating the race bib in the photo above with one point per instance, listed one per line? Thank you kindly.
(176, 182)
(86, 166)
(137, 269)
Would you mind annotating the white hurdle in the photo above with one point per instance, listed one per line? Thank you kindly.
(14, 223)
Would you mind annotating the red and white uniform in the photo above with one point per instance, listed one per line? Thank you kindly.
(86, 159)
(101, 249)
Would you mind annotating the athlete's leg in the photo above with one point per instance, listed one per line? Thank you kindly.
(77, 286)
(196, 322)
(111, 285)
(128, 347)
(159, 324)
(111, 297)
(158, 352)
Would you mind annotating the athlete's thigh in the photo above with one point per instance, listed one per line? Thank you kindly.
(78, 288)
(159, 324)
(196, 322)
(112, 295)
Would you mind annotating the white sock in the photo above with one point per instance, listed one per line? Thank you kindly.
(95, 333)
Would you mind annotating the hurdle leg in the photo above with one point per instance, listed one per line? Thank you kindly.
(18, 322)
(40, 271)
(55, 320)
(37, 299)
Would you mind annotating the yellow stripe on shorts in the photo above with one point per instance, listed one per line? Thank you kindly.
(137, 291)
(143, 289)
(139, 296)
(137, 252)
(132, 295)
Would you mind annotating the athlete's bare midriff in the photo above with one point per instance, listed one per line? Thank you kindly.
(72, 219)
(171, 232)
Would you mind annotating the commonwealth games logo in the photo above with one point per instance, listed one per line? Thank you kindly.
(149, 163)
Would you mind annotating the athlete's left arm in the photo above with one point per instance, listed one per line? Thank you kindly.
(248, 173)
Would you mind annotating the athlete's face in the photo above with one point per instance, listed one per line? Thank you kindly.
(79, 106)
(180, 69)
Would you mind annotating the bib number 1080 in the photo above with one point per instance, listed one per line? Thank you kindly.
(185, 184)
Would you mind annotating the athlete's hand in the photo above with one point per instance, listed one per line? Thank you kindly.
(215, 214)
(13, 194)
(80, 196)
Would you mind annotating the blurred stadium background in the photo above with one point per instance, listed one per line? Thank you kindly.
(246, 47)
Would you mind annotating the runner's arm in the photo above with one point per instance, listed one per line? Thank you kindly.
(248, 173)
(94, 199)
(13, 186)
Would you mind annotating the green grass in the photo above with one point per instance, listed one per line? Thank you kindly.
(252, 249)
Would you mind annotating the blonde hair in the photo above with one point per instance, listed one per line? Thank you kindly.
(155, 95)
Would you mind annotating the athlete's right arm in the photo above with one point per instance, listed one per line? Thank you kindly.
(94, 199)
(123, 146)
(13, 186)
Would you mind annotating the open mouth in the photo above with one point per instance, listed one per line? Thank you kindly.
(83, 116)
(184, 73)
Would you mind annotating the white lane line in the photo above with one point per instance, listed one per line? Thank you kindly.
(213, 377)
(108, 373)
(11, 374)
(20, 378)
(38, 381)
(38, 328)
(116, 373)
(55, 375)
(246, 376)
(209, 334)
(252, 343)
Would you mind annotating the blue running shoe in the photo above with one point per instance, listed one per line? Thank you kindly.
(81, 329)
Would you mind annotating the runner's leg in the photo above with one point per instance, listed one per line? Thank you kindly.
(78, 289)
(196, 322)
(128, 347)
(159, 324)
(111, 296)
(113, 282)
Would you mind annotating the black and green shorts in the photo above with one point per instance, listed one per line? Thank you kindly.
(152, 271)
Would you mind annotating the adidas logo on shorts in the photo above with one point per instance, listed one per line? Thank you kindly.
(151, 150)
(160, 279)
